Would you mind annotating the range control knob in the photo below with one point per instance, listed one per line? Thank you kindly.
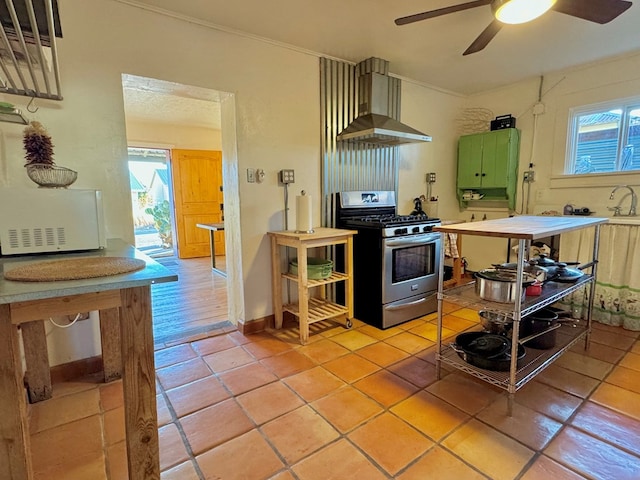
(398, 231)
(427, 229)
(415, 230)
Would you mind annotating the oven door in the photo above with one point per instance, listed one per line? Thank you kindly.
(410, 266)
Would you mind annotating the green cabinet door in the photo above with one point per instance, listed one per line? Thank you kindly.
(488, 164)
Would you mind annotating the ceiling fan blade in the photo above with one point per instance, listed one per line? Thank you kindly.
(598, 11)
(484, 38)
(440, 11)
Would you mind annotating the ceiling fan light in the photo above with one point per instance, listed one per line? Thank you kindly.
(520, 11)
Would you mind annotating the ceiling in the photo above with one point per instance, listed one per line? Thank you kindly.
(429, 51)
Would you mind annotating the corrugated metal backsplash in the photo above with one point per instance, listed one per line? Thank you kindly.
(351, 166)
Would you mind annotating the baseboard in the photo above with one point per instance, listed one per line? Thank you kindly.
(255, 326)
(76, 369)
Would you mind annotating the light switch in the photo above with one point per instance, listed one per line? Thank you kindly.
(251, 175)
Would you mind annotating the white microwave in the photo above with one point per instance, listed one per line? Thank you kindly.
(38, 220)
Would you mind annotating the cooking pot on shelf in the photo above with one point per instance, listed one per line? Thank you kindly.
(539, 272)
(499, 285)
(495, 322)
(486, 350)
(537, 322)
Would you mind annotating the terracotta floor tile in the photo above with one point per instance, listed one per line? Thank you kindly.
(382, 354)
(323, 350)
(164, 414)
(466, 313)
(347, 408)
(173, 355)
(214, 425)
(228, 359)
(482, 446)
(428, 355)
(592, 457)
(183, 373)
(632, 361)
(618, 399)
(288, 363)
(268, 402)
(615, 329)
(429, 331)
(585, 365)
(457, 324)
(429, 414)
(213, 344)
(449, 307)
(416, 371)
(111, 395)
(546, 469)
(353, 339)
(568, 381)
(117, 465)
(528, 426)
(196, 395)
(466, 393)
(245, 457)
(267, 347)
(610, 426)
(82, 441)
(184, 471)
(299, 433)
(74, 386)
(313, 384)
(325, 329)
(114, 426)
(338, 461)
(286, 475)
(412, 324)
(386, 388)
(378, 333)
(599, 351)
(636, 348)
(172, 448)
(61, 410)
(409, 342)
(240, 339)
(351, 367)
(552, 402)
(615, 340)
(625, 378)
(290, 336)
(440, 464)
(402, 443)
(247, 377)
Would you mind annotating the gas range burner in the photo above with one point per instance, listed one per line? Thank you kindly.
(389, 220)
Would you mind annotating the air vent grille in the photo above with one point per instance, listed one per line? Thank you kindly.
(25, 238)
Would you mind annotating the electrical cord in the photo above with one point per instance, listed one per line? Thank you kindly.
(67, 325)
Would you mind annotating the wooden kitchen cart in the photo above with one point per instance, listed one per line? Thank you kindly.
(524, 230)
(310, 309)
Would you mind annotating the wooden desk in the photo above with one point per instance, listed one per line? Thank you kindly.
(28, 302)
(213, 228)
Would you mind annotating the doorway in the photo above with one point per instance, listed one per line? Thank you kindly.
(163, 118)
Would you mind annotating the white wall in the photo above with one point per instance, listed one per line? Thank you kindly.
(150, 134)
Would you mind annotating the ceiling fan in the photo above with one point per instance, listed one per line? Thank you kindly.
(521, 11)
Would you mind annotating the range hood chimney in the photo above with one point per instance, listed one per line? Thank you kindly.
(374, 125)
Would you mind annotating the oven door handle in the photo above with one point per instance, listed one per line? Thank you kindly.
(412, 240)
(405, 305)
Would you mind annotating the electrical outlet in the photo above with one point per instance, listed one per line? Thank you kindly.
(251, 175)
(286, 177)
(431, 177)
(528, 176)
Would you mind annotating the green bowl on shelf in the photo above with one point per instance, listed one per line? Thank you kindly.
(317, 268)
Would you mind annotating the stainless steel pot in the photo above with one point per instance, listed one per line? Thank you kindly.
(495, 322)
(541, 273)
(499, 285)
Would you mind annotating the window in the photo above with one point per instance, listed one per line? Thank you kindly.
(604, 138)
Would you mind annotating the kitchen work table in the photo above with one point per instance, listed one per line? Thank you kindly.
(24, 303)
(213, 228)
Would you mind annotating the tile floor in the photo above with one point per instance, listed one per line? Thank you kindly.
(355, 404)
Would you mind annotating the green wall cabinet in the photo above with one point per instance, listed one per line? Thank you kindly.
(488, 164)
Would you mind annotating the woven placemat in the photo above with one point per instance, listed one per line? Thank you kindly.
(74, 269)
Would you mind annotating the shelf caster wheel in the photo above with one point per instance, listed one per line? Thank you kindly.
(349, 323)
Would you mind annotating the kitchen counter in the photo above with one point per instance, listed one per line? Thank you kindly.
(25, 304)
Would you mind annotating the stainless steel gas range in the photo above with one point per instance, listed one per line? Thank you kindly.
(395, 258)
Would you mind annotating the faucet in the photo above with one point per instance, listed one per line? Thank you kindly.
(634, 202)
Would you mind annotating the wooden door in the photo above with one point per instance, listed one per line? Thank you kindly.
(198, 198)
(470, 161)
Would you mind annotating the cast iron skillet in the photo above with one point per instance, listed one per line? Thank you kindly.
(486, 350)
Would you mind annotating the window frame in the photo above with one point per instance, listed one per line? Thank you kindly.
(627, 105)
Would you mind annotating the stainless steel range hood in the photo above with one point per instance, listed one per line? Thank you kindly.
(374, 125)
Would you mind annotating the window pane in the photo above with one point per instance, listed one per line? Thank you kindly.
(631, 151)
(597, 142)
